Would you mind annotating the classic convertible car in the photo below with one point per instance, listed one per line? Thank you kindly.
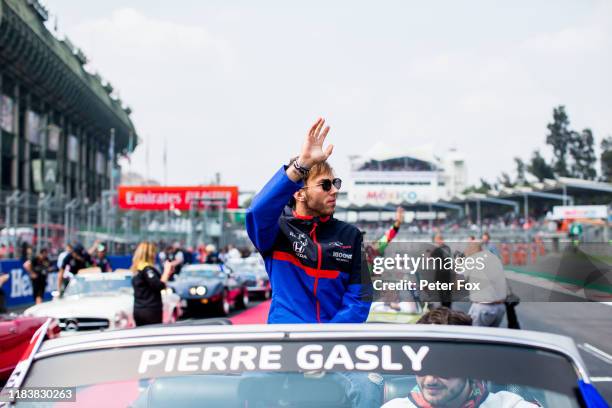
(310, 366)
(210, 287)
(15, 334)
(253, 271)
(97, 301)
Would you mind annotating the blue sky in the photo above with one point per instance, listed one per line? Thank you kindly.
(233, 86)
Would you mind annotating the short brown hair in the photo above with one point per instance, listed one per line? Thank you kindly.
(317, 170)
(444, 315)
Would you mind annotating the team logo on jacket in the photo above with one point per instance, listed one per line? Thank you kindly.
(299, 246)
(342, 256)
(339, 244)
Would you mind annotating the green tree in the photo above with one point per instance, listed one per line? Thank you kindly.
(560, 138)
(520, 171)
(582, 151)
(606, 159)
(484, 188)
(539, 168)
(505, 181)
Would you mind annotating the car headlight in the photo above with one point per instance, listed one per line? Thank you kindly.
(168, 290)
(201, 290)
(121, 320)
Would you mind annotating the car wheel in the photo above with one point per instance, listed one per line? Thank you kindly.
(243, 301)
(224, 305)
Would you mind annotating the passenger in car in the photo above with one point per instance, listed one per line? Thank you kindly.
(433, 391)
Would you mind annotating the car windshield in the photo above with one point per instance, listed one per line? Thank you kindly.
(315, 374)
(99, 283)
(244, 268)
(201, 273)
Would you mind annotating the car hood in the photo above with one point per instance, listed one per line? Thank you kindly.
(84, 306)
(189, 282)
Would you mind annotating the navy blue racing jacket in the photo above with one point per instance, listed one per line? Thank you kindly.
(316, 265)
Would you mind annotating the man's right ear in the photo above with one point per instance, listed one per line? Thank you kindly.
(299, 196)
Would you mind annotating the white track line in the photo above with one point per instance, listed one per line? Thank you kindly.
(601, 379)
(594, 351)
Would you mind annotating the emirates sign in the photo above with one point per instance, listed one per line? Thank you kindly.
(174, 197)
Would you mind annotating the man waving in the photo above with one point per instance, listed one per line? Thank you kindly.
(315, 262)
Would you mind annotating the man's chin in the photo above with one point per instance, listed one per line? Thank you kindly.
(329, 211)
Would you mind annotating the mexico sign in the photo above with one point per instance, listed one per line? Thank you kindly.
(174, 197)
(580, 211)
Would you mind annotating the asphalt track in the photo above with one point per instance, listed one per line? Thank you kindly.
(588, 323)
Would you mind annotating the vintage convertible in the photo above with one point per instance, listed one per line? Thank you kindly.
(210, 287)
(253, 271)
(98, 301)
(191, 365)
(15, 334)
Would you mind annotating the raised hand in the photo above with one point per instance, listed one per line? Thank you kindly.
(399, 216)
(312, 149)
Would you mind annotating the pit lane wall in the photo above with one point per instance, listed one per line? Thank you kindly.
(18, 288)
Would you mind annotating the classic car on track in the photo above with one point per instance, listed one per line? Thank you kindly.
(254, 273)
(98, 301)
(15, 334)
(210, 287)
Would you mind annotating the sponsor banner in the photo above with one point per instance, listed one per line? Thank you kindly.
(169, 198)
(580, 211)
(18, 288)
(73, 148)
(33, 127)
(53, 140)
(100, 163)
(6, 116)
(37, 175)
(50, 178)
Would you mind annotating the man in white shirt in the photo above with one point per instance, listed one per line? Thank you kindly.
(488, 301)
(439, 392)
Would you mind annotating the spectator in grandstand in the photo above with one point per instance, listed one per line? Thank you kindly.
(73, 262)
(488, 301)
(39, 267)
(3, 251)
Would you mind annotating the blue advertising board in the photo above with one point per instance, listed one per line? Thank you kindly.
(18, 288)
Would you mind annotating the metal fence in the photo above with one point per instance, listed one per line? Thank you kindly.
(54, 220)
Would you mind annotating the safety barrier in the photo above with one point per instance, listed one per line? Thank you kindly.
(18, 289)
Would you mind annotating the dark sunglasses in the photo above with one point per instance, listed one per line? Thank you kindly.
(326, 184)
